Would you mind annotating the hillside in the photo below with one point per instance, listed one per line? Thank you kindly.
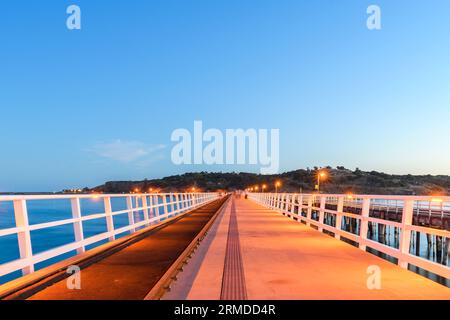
(339, 180)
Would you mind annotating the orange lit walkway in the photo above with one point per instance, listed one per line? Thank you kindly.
(268, 256)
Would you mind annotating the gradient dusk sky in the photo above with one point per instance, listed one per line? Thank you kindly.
(82, 107)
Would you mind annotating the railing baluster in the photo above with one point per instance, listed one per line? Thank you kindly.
(339, 210)
(322, 212)
(130, 213)
(309, 212)
(166, 210)
(109, 218)
(78, 224)
(24, 237)
(145, 206)
(300, 204)
(177, 201)
(364, 224)
(151, 207)
(407, 219)
(172, 205)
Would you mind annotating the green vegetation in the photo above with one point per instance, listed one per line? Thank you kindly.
(339, 180)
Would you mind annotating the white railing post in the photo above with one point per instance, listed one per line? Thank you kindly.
(292, 209)
(300, 206)
(166, 209)
(309, 211)
(131, 213)
(172, 204)
(145, 206)
(152, 212)
(23, 236)
(178, 202)
(109, 218)
(78, 224)
(339, 210)
(364, 224)
(322, 212)
(193, 200)
(183, 201)
(407, 219)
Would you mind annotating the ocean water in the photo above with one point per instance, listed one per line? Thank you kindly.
(42, 211)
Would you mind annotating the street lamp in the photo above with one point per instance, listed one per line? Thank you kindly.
(320, 175)
(256, 188)
(277, 185)
(264, 187)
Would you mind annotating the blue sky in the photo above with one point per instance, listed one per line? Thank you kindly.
(82, 107)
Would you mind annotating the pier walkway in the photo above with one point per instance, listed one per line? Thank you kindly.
(281, 258)
(233, 247)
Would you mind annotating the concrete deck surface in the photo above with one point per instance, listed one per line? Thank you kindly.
(284, 259)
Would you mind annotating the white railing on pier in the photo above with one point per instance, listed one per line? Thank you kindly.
(151, 205)
(314, 209)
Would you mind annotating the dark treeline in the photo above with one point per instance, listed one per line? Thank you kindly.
(338, 180)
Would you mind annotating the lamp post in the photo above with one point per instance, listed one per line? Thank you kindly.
(320, 175)
(277, 185)
(264, 187)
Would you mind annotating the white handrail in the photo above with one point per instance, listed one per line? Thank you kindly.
(148, 203)
(301, 207)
